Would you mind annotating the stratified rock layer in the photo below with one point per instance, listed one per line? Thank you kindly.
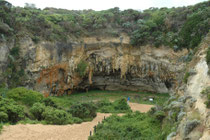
(52, 68)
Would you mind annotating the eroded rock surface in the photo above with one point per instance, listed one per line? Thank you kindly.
(52, 67)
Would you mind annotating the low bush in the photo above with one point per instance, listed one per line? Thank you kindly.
(208, 101)
(37, 110)
(206, 92)
(3, 117)
(55, 116)
(159, 115)
(208, 56)
(186, 76)
(77, 120)
(10, 111)
(118, 106)
(174, 114)
(103, 103)
(49, 102)
(24, 96)
(121, 105)
(105, 106)
(83, 110)
(1, 126)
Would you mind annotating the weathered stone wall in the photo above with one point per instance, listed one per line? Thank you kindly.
(51, 67)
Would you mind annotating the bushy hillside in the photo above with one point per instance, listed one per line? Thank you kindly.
(182, 26)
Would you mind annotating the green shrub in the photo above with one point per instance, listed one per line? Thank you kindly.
(159, 115)
(83, 110)
(81, 68)
(108, 109)
(3, 117)
(37, 110)
(103, 103)
(1, 126)
(206, 92)
(25, 96)
(10, 111)
(174, 114)
(15, 52)
(186, 76)
(105, 106)
(208, 56)
(49, 102)
(208, 101)
(55, 116)
(121, 105)
(152, 111)
(77, 120)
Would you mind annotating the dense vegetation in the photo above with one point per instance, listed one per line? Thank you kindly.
(131, 126)
(78, 108)
(20, 105)
(27, 106)
(182, 26)
(146, 126)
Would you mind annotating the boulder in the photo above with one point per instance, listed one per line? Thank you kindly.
(189, 126)
(192, 71)
(181, 115)
(176, 104)
(5, 28)
(171, 135)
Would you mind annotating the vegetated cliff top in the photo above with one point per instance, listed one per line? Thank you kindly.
(182, 26)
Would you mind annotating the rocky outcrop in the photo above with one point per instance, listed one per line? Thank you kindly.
(52, 67)
(4, 54)
(110, 64)
(195, 123)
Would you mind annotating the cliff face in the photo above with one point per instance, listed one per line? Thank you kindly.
(195, 116)
(105, 63)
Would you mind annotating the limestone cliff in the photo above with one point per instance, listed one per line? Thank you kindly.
(110, 64)
(194, 117)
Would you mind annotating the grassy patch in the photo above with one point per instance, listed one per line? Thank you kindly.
(95, 96)
(118, 106)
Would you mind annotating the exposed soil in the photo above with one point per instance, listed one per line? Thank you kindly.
(59, 132)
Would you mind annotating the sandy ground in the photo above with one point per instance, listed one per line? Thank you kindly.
(59, 132)
(140, 107)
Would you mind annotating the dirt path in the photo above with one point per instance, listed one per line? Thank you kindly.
(140, 107)
(59, 132)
